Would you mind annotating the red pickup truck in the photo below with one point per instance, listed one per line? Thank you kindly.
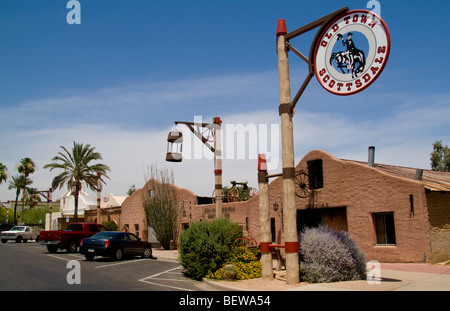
(70, 238)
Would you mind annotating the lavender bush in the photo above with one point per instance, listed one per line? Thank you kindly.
(328, 255)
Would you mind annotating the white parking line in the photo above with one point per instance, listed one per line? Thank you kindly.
(146, 280)
(121, 263)
(54, 256)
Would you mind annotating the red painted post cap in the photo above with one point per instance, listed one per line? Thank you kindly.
(281, 27)
(262, 163)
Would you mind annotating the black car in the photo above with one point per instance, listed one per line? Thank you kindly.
(114, 244)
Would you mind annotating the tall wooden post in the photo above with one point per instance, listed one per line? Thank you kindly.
(287, 142)
(50, 207)
(218, 166)
(99, 195)
(264, 219)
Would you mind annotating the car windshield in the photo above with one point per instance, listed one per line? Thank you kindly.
(18, 228)
(104, 235)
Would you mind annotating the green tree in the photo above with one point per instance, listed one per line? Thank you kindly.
(131, 190)
(77, 167)
(19, 182)
(440, 157)
(161, 206)
(31, 197)
(3, 174)
(26, 167)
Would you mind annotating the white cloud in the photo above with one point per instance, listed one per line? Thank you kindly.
(129, 127)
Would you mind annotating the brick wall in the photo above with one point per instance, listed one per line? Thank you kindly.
(349, 186)
(364, 190)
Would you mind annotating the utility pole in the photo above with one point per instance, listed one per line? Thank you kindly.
(264, 220)
(288, 159)
(207, 133)
(48, 195)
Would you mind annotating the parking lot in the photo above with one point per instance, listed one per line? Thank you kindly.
(28, 266)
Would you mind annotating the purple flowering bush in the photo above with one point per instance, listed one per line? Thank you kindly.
(328, 255)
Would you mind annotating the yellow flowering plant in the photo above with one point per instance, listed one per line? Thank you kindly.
(245, 261)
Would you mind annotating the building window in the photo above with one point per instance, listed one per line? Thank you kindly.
(315, 172)
(136, 229)
(384, 228)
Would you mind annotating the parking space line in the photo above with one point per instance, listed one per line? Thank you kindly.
(121, 263)
(153, 277)
(54, 256)
(164, 285)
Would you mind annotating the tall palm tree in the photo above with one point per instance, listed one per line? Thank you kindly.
(3, 174)
(76, 168)
(26, 167)
(31, 197)
(19, 182)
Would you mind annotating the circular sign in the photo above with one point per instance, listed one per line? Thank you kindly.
(351, 52)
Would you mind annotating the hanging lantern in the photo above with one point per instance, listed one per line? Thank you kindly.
(174, 146)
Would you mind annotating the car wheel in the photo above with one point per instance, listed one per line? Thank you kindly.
(89, 257)
(72, 247)
(147, 252)
(118, 254)
(4, 240)
(18, 239)
(52, 248)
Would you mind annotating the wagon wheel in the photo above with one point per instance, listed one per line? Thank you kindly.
(302, 185)
(233, 194)
(253, 192)
(208, 134)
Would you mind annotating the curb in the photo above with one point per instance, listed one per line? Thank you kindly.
(222, 287)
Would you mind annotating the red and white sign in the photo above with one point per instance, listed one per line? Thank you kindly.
(351, 52)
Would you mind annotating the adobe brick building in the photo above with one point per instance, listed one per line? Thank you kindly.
(395, 214)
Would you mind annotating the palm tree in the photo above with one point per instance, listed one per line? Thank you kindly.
(19, 182)
(26, 167)
(31, 197)
(3, 174)
(76, 168)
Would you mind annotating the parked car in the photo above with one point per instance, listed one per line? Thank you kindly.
(116, 245)
(20, 233)
(70, 238)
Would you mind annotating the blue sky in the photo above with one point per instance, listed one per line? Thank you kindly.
(119, 79)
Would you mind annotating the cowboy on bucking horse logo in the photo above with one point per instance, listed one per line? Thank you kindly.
(353, 59)
(351, 67)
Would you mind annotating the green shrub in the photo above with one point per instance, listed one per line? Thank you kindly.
(110, 225)
(206, 246)
(328, 255)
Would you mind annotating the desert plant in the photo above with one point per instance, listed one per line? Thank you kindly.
(161, 205)
(245, 262)
(206, 246)
(328, 255)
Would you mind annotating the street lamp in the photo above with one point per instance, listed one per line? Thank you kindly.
(174, 146)
(206, 132)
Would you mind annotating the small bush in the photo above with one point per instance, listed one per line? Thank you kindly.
(246, 263)
(206, 246)
(328, 255)
(110, 225)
